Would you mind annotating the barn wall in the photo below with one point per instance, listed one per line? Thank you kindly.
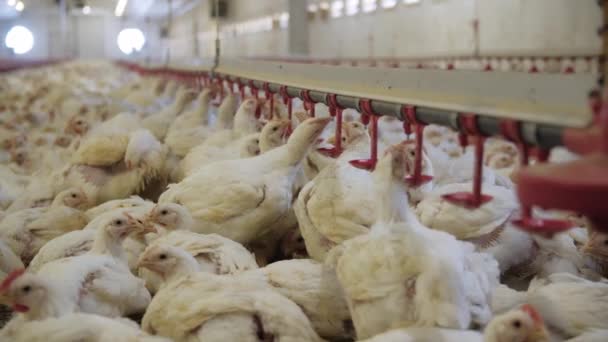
(429, 28)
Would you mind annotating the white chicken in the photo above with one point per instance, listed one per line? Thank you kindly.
(103, 235)
(190, 128)
(273, 135)
(242, 199)
(159, 123)
(77, 327)
(314, 288)
(335, 206)
(88, 283)
(9, 261)
(570, 305)
(519, 325)
(481, 223)
(226, 111)
(221, 308)
(403, 274)
(213, 253)
(131, 202)
(27, 230)
(244, 123)
(134, 165)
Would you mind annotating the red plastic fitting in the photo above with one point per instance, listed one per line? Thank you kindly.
(369, 164)
(337, 111)
(468, 124)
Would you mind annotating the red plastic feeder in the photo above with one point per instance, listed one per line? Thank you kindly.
(335, 110)
(580, 186)
(468, 123)
(369, 164)
(510, 129)
(417, 178)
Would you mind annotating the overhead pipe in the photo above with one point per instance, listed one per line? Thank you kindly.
(543, 135)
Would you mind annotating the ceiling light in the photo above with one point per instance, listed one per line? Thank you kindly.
(11, 2)
(130, 40)
(20, 6)
(19, 39)
(86, 10)
(120, 8)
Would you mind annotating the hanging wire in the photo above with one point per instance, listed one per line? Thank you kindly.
(169, 25)
(216, 59)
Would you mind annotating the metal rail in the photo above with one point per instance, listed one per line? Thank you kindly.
(545, 104)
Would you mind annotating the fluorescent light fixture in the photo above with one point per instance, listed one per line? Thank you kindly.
(312, 8)
(19, 39)
(284, 20)
(324, 6)
(389, 3)
(20, 6)
(337, 8)
(368, 5)
(352, 7)
(11, 2)
(120, 8)
(86, 10)
(411, 2)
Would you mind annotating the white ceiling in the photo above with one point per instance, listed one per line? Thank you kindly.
(135, 8)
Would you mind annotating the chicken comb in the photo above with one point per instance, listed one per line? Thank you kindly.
(10, 279)
(533, 313)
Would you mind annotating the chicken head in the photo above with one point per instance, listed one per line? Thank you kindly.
(167, 261)
(73, 198)
(500, 160)
(521, 325)
(250, 146)
(77, 125)
(409, 148)
(351, 133)
(170, 216)
(274, 134)
(24, 291)
(123, 224)
(597, 247)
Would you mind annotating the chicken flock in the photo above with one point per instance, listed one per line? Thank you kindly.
(140, 208)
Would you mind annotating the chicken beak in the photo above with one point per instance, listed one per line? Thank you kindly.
(331, 140)
(137, 224)
(143, 263)
(149, 228)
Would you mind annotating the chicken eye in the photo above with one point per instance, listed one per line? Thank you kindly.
(162, 256)
(164, 212)
(257, 141)
(118, 222)
(74, 196)
(274, 129)
(26, 288)
(605, 242)
(516, 324)
(343, 139)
